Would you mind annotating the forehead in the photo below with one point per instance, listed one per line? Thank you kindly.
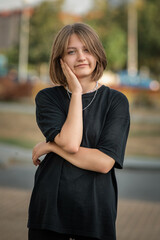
(75, 41)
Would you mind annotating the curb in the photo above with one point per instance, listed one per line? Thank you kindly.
(142, 163)
(13, 154)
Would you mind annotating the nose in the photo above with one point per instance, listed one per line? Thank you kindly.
(81, 56)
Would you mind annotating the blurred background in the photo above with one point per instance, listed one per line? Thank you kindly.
(130, 33)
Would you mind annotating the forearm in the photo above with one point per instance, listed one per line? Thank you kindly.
(70, 136)
(86, 158)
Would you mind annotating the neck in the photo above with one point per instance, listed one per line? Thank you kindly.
(87, 86)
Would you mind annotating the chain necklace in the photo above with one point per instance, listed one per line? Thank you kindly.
(95, 89)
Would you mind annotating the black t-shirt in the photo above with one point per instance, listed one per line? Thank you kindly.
(68, 199)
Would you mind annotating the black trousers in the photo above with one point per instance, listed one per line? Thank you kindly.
(38, 234)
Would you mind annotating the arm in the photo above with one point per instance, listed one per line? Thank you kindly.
(71, 133)
(85, 158)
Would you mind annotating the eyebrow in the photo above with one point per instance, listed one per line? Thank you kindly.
(71, 48)
(75, 47)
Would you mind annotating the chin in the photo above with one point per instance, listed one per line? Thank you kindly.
(83, 75)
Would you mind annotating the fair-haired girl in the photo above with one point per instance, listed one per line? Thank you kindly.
(86, 126)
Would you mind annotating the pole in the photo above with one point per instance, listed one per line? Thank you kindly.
(23, 45)
(132, 39)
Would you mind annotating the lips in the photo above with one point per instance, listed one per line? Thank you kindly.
(81, 65)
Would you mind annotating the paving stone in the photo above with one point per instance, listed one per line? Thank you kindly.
(137, 220)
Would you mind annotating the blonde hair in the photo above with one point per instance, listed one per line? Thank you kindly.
(91, 41)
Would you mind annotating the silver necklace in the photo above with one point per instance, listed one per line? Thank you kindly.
(68, 92)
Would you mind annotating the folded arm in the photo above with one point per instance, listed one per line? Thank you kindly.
(85, 158)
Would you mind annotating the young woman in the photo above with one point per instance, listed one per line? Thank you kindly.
(86, 127)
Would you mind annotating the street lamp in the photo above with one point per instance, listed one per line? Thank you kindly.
(24, 43)
(132, 39)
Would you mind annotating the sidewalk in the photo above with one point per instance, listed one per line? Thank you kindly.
(137, 220)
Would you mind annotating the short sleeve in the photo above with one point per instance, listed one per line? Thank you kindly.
(50, 116)
(114, 134)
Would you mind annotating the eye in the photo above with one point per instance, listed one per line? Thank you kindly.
(71, 52)
(86, 50)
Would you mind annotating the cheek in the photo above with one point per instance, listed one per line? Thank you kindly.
(69, 61)
(65, 59)
(94, 63)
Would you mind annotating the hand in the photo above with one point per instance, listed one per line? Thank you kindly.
(39, 150)
(73, 83)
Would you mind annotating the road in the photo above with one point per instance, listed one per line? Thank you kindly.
(135, 184)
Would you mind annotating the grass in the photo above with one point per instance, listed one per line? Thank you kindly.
(21, 130)
(145, 130)
(18, 142)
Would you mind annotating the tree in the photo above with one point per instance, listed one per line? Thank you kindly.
(110, 24)
(44, 24)
(149, 36)
(110, 21)
(116, 48)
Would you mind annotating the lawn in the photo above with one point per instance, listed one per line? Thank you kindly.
(21, 130)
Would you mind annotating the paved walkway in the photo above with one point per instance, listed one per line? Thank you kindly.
(137, 220)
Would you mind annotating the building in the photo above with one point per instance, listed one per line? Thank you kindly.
(9, 28)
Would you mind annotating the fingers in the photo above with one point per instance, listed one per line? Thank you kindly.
(63, 66)
(39, 150)
(71, 78)
(36, 162)
(35, 159)
(66, 70)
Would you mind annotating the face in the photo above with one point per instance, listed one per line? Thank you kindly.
(78, 58)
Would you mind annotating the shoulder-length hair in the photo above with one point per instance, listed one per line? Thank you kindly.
(91, 40)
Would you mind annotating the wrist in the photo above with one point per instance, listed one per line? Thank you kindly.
(50, 146)
(75, 90)
(77, 93)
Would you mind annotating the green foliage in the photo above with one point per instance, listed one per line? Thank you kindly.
(44, 24)
(12, 55)
(111, 27)
(18, 142)
(110, 22)
(115, 46)
(149, 35)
